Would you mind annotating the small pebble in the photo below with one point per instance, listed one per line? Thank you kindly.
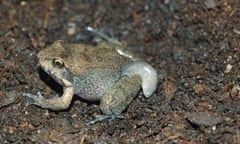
(228, 68)
(210, 3)
(204, 118)
(71, 31)
(8, 99)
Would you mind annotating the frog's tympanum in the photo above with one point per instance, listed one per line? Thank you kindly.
(107, 73)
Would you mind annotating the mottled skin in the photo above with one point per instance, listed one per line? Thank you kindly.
(93, 73)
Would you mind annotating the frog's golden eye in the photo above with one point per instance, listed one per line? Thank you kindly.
(58, 62)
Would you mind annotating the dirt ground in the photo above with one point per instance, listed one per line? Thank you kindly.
(194, 45)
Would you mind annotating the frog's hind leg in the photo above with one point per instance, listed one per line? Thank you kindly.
(113, 43)
(148, 74)
(102, 35)
(118, 97)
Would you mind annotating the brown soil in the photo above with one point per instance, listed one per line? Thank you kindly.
(195, 47)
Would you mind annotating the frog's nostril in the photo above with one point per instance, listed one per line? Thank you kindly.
(147, 73)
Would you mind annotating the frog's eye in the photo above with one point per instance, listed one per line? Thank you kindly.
(58, 62)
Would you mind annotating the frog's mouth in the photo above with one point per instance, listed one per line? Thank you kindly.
(48, 76)
(62, 77)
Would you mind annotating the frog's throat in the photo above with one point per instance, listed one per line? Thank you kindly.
(147, 73)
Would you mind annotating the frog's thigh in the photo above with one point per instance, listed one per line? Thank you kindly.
(120, 95)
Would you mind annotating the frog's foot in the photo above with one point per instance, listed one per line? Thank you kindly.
(110, 116)
(34, 98)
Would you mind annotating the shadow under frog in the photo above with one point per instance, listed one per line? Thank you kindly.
(107, 73)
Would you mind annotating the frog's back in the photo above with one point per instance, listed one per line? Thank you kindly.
(81, 57)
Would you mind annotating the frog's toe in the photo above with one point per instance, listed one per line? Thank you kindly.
(148, 74)
(110, 116)
(33, 99)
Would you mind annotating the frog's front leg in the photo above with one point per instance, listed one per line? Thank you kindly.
(59, 103)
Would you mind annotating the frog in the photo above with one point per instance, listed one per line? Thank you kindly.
(107, 73)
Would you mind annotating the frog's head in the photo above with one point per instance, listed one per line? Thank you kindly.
(53, 65)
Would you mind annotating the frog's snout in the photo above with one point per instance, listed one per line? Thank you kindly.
(147, 73)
